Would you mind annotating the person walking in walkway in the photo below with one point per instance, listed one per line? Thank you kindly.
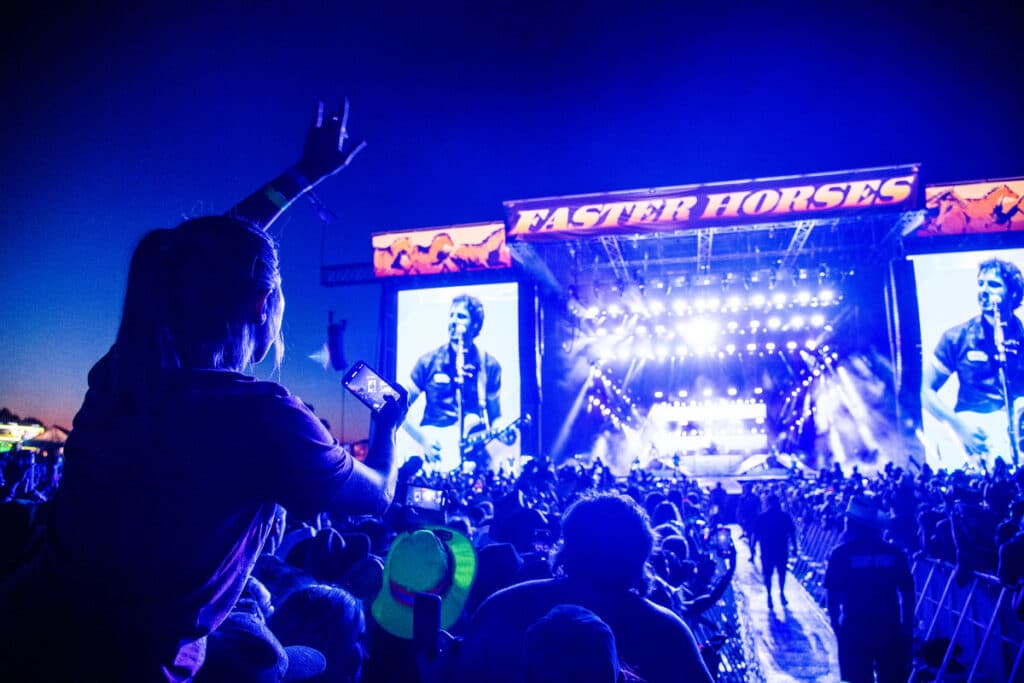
(747, 510)
(870, 599)
(774, 531)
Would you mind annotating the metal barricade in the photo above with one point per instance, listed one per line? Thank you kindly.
(985, 636)
(816, 542)
(735, 663)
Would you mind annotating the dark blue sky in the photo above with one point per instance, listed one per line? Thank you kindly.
(118, 120)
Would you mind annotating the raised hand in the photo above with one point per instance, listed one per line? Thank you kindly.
(324, 152)
(323, 155)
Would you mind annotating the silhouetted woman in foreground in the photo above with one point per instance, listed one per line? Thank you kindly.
(178, 458)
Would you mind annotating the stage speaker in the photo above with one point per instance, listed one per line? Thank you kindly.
(335, 342)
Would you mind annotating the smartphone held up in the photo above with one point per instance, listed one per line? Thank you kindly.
(369, 387)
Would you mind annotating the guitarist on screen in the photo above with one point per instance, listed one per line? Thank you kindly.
(462, 387)
(984, 352)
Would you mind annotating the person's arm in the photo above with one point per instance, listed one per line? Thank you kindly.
(836, 595)
(792, 534)
(322, 156)
(493, 388)
(693, 608)
(907, 598)
(933, 378)
(371, 486)
(754, 528)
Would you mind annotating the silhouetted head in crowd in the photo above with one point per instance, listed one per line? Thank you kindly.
(244, 650)
(326, 618)
(206, 294)
(863, 517)
(570, 644)
(606, 540)
(665, 512)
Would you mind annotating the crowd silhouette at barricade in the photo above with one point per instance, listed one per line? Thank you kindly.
(306, 612)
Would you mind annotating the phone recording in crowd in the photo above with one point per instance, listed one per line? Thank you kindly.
(369, 387)
(723, 542)
(425, 498)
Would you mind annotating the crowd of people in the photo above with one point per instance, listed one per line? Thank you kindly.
(877, 526)
(273, 554)
(637, 559)
(559, 559)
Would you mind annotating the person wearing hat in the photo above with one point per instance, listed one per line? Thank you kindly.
(606, 542)
(870, 599)
(435, 562)
(432, 560)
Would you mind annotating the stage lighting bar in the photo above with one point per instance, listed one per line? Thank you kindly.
(698, 299)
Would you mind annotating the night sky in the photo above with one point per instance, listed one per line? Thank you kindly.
(118, 120)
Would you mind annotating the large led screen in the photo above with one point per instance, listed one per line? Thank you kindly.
(458, 356)
(956, 307)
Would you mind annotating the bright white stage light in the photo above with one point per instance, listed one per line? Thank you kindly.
(657, 306)
(774, 323)
(796, 322)
(754, 324)
(732, 325)
(614, 310)
(708, 393)
(826, 295)
(641, 330)
(770, 346)
(733, 302)
(732, 391)
(751, 347)
(757, 300)
(791, 345)
(661, 351)
(593, 311)
(730, 348)
(817, 320)
(803, 297)
(679, 306)
(779, 299)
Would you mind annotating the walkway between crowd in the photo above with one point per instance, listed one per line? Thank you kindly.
(791, 642)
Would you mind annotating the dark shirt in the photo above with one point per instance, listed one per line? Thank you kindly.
(161, 515)
(774, 530)
(435, 373)
(969, 350)
(868, 573)
(656, 644)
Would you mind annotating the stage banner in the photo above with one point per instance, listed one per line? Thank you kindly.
(763, 200)
(966, 208)
(451, 249)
